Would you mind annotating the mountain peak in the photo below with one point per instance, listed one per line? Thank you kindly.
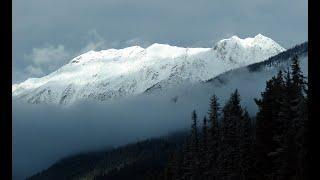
(234, 37)
(159, 45)
(260, 36)
(259, 40)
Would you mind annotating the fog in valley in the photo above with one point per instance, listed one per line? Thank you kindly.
(43, 134)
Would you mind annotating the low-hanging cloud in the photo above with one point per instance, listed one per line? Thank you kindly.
(95, 41)
(43, 134)
(45, 59)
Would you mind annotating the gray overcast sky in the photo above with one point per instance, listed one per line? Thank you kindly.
(48, 33)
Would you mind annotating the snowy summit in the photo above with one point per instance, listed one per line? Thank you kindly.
(105, 74)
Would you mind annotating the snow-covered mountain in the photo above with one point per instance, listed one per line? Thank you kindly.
(106, 74)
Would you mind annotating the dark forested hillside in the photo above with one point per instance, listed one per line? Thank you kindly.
(137, 160)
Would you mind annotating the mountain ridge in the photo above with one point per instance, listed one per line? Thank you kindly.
(107, 74)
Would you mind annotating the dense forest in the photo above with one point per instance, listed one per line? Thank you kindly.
(227, 144)
(233, 146)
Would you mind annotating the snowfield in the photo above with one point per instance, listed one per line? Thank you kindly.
(113, 73)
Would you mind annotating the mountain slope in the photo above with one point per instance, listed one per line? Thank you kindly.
(115, 73)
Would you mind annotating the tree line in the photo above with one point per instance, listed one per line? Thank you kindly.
(231, 145)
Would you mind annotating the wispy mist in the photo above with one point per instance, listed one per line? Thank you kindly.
(43, 134)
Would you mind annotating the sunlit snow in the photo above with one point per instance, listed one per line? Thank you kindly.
(105, 74)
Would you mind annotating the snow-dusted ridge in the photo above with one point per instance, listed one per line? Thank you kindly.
(106, 74)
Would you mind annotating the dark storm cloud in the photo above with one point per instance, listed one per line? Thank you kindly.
(69, 24)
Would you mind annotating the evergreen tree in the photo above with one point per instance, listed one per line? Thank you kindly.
(281, 155)
(187, 161)
(204, 153)
(298, 79)
(269, 128)
(194, 133)
(214, 139)
(191, 159)
(295, 137)
(246, 151)
(204, 135)
(204, 143)
(195, 148)
(298, 100)
(214, 113)
(229, 159)
(302, 140)
(172, 171)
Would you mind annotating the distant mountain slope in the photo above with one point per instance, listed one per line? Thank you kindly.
(279, 62)
(113, 73)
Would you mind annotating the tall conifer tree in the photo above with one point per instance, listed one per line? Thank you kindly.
(214, 138)
(246, 151)
(229, 158)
